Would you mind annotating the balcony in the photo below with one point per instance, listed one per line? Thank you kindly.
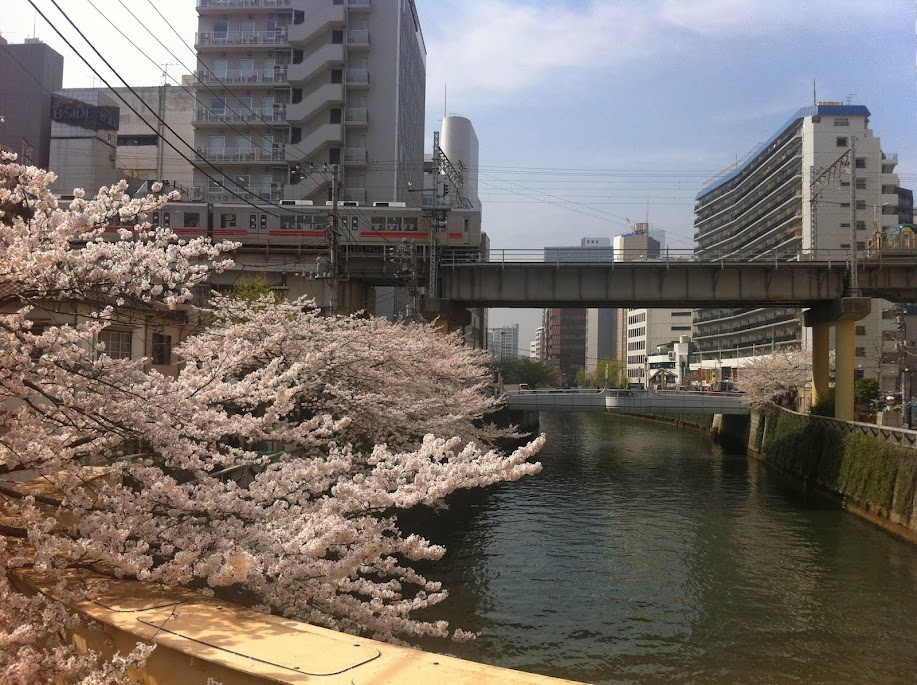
(355, 156)
(326, 56)
(242, 39)
(268, 77)
(354, 194)
(217, 194)
(240, 155)
(326, 94)
(221, 5)
(356, 116)
(356, 77)
(257, 115)
(358, 5)
(357, 38)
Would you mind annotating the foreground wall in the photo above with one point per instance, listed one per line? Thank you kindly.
(874, 477)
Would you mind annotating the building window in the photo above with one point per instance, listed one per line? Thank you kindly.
(861, 204)
(842, 142)
(337, 37)
(842, 121)
(334, 155)
(861, 225)
(860, 330)
(861, 183)
(337, 75)
(162, 348)
(117, 343)
(860, 352)
(335, 113)
(131, 141)
(861, 163)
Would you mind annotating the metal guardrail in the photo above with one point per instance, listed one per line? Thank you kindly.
(903, 437)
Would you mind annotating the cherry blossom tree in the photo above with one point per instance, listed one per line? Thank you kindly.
(270, 467)
(765, 378)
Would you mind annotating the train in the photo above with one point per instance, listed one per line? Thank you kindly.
(303, 224)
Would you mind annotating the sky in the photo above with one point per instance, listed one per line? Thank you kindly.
(591, 114)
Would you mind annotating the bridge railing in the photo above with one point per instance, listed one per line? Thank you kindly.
(610, 256)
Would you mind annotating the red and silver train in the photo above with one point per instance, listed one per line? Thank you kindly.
(306, 225)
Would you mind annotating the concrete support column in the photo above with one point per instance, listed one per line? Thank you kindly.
(843, 377)
(820, 363)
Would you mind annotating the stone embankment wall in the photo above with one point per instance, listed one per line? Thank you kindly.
(873, 477)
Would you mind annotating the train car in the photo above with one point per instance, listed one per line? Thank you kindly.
(304, 225)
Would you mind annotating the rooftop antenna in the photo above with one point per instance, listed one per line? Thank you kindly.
(445, 101)
(814, 99)
(647, 210)
(34, 21)
(850, 97)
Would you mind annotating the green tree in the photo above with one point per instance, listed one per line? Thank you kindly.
(866, 390)
(597, 378)
(532, 371)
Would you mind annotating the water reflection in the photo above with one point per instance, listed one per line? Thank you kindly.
(643, 553)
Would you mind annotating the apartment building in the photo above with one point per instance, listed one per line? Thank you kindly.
(565, 342)
(287, 88)
(791, 198)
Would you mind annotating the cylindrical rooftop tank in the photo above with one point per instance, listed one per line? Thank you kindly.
(459, 142)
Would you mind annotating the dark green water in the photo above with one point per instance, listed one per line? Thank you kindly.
(643, 554)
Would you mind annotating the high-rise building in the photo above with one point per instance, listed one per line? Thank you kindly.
(503, 342)
(286, 87)
(536, 345)
(29, 73)
(791, 197)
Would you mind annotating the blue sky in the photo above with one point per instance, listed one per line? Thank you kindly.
(591, 114)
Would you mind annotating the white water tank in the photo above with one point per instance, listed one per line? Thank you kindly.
(460, 143)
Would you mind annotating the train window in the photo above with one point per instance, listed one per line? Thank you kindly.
(154, 218)
(410, 224)
(166, 219)
(466, 224)
(263, 219)
(192, 220)
(394, 223)
(252, 221)
(355, 223)
(378, 223)
(287, 222)
(228, 221)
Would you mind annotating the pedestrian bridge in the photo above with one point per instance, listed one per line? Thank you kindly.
(628, 401)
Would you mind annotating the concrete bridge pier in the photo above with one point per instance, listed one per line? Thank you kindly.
(449, 316)
(842, 314)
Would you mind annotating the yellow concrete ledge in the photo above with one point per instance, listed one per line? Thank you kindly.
(199, 638)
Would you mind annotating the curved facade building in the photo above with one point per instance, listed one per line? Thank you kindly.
(460, 143)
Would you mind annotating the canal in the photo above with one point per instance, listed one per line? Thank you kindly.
(643, 553)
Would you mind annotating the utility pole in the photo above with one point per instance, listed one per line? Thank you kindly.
(434, 221)
(333, 278)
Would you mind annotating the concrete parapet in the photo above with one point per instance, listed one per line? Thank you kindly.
(199, 638)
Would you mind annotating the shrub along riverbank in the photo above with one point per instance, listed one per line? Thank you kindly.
(878, 478)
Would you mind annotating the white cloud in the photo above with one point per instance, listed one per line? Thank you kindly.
(487, 49)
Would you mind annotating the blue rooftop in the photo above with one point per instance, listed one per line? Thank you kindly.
(816, 110)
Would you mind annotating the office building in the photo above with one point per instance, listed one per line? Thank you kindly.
(503, 342)
(29, 73)
(565, 342)
(288, 87)
(791, 197)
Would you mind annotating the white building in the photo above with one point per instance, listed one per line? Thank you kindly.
(294, 85)
(503, 342)
(536, 345)
(764, 207)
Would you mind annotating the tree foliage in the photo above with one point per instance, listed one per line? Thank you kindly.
(608, 373)
(532, 371)
(362, 418)
(866, 390)
(768, 377)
